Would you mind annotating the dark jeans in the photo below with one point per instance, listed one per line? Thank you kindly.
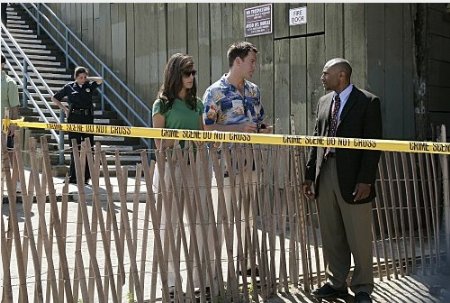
(81, 119)
(10, 141)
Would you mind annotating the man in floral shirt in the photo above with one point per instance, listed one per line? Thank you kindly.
(233, 104)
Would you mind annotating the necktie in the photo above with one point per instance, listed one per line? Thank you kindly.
(334, 117)
(333, 122)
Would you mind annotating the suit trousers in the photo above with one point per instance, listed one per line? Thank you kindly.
(346, 231)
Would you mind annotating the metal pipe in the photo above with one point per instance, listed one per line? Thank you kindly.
(61, 139)
(24, 83)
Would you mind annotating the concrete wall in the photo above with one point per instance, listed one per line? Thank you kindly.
(135, 39)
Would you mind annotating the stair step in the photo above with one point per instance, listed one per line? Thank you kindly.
(13, 16)
(27, 45)
(49, 76)
(15, 21)
(16, 35)
(28, 41)
(33, 51)
(43, 88)
(53, 69)
(36, 80)
(15, 31)
(33, 57)
(50, 81)
(12, 26)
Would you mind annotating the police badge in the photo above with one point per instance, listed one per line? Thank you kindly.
(88, 90)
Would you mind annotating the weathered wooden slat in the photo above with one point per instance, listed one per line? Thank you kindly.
(281, 89)
(78, 158)
(316, 18)
(41, 200)
(121, 176)
(298, 86)
(58, 228)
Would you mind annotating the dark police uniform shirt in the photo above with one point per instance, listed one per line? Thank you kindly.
(78, 97)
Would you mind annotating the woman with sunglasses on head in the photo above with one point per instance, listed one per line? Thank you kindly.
(177, 107)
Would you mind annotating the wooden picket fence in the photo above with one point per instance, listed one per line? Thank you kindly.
(115, 241)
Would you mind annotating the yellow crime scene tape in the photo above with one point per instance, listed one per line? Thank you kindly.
(233, 137)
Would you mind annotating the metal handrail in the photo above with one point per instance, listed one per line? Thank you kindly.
(28, 79)
(31, 65)
(66, 34)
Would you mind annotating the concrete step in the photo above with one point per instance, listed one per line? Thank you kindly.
(53, 76)
(16, 20)
(34, 57)
(61, 83)
(40, 87)
(15, 31)
(27, 45)
(13, 16)
(12, 26)
(36, 62)
(16, 34)
(10, 12)
(28, 41)
(49, 81)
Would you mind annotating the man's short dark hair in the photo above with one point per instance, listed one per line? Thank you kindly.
(241, 50)
(3, 59)
(80, 70)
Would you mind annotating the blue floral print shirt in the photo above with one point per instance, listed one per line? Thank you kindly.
(223, 104)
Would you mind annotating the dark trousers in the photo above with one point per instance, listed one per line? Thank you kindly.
(10, 141)
(81, 119)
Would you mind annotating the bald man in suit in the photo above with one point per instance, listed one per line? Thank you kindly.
(343, 182)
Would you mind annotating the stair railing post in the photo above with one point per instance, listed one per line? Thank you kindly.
(102, 99)
(66, 34)
(38, 16)
(61, 139)
(25, 83)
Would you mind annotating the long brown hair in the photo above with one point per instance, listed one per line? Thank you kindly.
(177, 65)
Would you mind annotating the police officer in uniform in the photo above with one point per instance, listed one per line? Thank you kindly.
(80, 110)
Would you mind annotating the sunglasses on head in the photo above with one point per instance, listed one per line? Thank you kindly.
(189, 73)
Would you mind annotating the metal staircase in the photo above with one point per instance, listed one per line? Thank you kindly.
(50, 65)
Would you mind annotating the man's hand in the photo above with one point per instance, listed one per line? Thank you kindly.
(307, 189)
(267, 130)
(66, 110)
(362, 191)
(248, 127)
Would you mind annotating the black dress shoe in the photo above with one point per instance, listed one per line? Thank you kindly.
(327, 291)
(362, 297)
